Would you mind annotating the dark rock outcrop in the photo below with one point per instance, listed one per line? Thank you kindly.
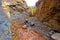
(48, 12)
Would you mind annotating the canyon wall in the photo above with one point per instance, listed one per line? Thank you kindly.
(48, 12)
(15, 8)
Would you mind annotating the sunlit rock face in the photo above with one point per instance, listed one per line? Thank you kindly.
(20, 10)
(48, 12)
(16, 8)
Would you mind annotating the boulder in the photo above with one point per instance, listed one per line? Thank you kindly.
(56, 36)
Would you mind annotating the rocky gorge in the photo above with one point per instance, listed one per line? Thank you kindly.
(48, 12)
(43, 25)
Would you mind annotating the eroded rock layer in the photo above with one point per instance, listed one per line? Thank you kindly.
(48, 12)
(17, 9)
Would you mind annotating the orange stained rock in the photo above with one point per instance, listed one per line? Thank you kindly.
(26, 34)
(20, 33)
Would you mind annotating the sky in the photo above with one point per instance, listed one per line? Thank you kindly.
(31, 2)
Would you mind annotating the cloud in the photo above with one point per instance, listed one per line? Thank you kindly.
(31, 2)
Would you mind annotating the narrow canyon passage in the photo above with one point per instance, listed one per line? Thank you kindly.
(30, 20)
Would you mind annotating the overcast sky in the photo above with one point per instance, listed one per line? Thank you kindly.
(31, 2)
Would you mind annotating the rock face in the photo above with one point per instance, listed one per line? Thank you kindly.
(16, 8)
(5, 32)
(48, 12)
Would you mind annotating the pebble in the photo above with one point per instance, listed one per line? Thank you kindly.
(25, 26)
